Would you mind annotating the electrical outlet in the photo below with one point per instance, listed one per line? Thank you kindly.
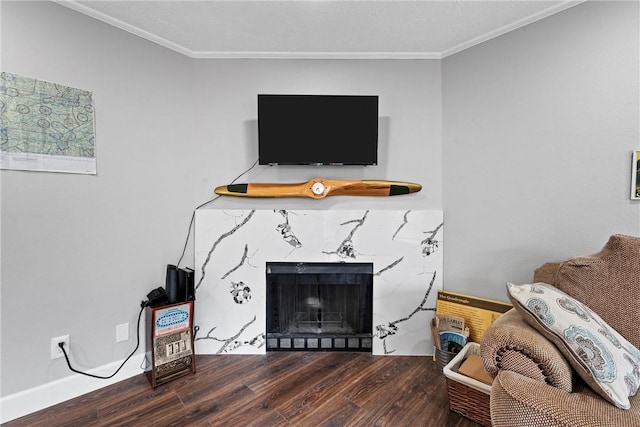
(122, 332)
(56, 351)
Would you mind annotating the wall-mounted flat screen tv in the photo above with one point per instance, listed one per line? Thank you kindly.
(317, 129)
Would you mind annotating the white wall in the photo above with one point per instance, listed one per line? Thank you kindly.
(539, 126)
(79, 253)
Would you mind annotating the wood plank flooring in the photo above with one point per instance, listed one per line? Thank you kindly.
(276, 389)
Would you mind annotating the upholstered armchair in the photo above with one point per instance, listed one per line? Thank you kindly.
(538, 381)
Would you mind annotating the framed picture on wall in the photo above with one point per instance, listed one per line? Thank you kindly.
(635, 176)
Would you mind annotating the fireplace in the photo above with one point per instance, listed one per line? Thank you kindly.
(232, 250)
(316, 306)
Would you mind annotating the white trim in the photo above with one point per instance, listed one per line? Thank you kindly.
(315, 55)
(511, 27)
(73, 4)
(34, 399)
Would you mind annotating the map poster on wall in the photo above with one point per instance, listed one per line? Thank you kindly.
(45, 126)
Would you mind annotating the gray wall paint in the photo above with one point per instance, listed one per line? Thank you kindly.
(410, 126)
(539, 126)
(556, 100)
(80, 252)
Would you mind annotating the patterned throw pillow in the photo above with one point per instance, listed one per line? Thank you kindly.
(599, 354)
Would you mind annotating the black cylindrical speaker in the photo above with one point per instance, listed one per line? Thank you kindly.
(171, 284)
(191, 291)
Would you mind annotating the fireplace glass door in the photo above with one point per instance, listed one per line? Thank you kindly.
(319, 306)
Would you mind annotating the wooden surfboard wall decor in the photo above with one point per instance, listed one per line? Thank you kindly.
(319, 188)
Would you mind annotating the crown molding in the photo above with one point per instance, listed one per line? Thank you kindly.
(78, 7)
(316, 55)
(74, 5)
(511, 27)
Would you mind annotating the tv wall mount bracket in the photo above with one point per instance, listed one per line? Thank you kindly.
(319, 188)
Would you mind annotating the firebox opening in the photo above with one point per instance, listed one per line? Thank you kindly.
(319, 306)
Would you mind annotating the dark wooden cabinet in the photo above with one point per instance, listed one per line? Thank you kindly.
(170, 349)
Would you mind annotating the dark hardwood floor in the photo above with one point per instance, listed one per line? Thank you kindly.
(276, 389)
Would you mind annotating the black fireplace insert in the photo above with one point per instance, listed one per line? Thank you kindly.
(318, 306)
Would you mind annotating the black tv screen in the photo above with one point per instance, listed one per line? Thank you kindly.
(317, 129)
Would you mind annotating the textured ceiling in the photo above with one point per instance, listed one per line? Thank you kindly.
(319, 29)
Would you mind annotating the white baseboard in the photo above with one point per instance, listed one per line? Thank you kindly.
(28, 401)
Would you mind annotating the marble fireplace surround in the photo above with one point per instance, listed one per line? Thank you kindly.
(233, 246)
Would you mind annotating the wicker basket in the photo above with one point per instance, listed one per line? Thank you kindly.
(443, 358)
(467, 396)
